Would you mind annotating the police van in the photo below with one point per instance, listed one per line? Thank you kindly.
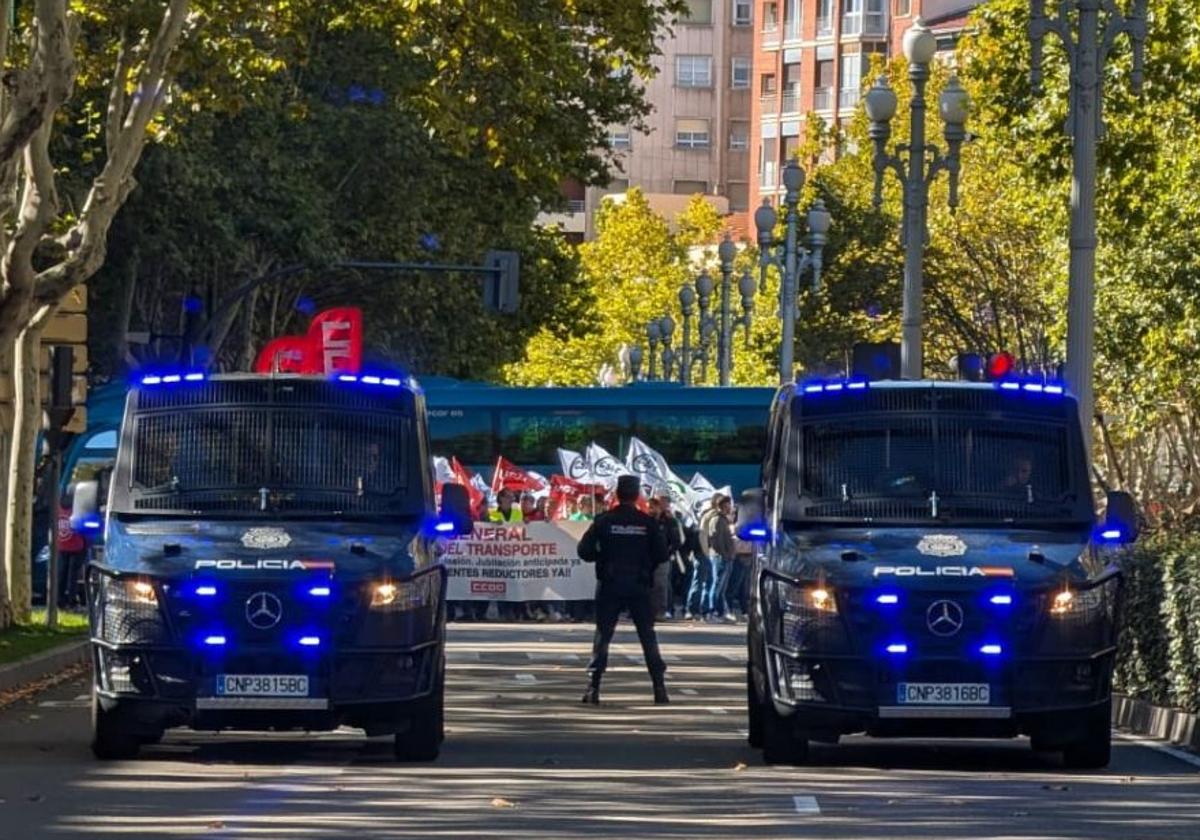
(931, 565)
(271, 562)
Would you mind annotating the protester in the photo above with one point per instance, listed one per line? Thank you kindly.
(702, 572)
(505, 512)
(660, 509)
(72, 554)
(721, 556)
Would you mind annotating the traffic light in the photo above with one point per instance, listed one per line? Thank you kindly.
(502, 289)
(876, 360)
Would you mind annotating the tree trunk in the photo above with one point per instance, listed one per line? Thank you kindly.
(6, 423)
(246, 360)
(21, 462)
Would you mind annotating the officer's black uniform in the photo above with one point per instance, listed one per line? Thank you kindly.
(626, 545)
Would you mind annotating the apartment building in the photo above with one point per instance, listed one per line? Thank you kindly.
(810, 61)
(699, 133)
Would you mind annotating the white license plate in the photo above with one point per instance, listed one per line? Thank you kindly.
(262, 685)
(944, 694)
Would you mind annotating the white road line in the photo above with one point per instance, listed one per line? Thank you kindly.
(83, 697)
(1175, 752)
(717, 710)
(670, 657)
(688, 691)
(64, 704)
(806, 805)
(636, 660)
(734, 657)
(526, 678)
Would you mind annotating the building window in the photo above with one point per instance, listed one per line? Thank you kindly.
(619, 138)
(690, 187)
(876, 18)
(852, 14)
(739, 75)
(691, 134)
(823, 92)
(792, 19)
(770, 17)
(903, 8)
(699, 13)
(824, 17)
(739, 136)
(743, 12)
(791, 89)
(768, 164)
(739, 197)
(693, 71)
(852, 64)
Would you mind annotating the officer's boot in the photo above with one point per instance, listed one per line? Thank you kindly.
(592, 695)
(660, 692)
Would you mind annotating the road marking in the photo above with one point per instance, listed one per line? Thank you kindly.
(688, 691)
(526, 678)
(670, 657)
(806, 805)
(734, 657)
(65, 704)
(83, 697)
(717, 710)
(636, 660)
(1175, 752)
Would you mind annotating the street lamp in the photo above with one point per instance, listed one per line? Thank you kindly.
(635, 363)
(924, 163)
(726, 251)
(1086, 51)
(687, 300)
(747, 287)
(704, 290)
(666, 328)
(789, 257)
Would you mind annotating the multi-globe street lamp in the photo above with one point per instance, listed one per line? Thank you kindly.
(916, 165)
(789, 258)
(1087, 47)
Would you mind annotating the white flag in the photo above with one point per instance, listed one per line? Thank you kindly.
(574, 465)
(605, 468)
(657, 477)
(441, 470)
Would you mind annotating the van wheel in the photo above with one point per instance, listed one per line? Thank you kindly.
(1094, 749)
(423, 740)
(754, 711)
(112, 738)
(781, 743)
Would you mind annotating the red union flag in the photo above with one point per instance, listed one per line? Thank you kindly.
(333, 344)
(511, 477)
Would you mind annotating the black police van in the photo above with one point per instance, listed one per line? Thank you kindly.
(932, 566)
(271, 563)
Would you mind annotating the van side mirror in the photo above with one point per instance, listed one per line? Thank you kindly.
(455, 516)
(1120, 518)
(85, 507)
(751, 517)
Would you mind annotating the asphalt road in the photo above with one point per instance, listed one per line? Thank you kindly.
(523, 759)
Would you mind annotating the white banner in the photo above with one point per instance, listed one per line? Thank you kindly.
(531, 561)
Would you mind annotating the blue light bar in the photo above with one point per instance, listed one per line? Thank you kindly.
(92, 524)
(897, 648)
(991, 650)
(887, 598)
(371, 380)
(392, 382)
(813, 389)
(214, 641)
(836, 386)
(319, 591)
(1001, 600)
(194, 377)
(172, 378)
(206, 591)
(347, 377)
(758, 532)
(1010, 386)
(1055, 389)
(310, 641)
(1036, 387)
(151, 380)
(857, 385)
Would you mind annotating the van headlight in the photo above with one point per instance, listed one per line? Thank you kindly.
(404, 596)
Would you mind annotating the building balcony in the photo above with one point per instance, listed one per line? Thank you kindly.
(824, 26)
(767, 103)
(852, 24)
(823, 99)
(848, 98)
(791, 102)
(574, 220)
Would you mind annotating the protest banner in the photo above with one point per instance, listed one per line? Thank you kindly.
(532, 561)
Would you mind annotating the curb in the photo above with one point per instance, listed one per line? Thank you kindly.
(1143, 718)
(45, 664)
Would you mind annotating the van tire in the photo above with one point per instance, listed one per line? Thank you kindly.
(781, 743)
(426, 731)
(1093, 750)
(112, 737)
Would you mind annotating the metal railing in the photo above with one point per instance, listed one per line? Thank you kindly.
(823, 99)
(791, 102)
(576, 205)
(852, 23)
(767, 103)
(875, 24)
(848, 97)
(824, 26)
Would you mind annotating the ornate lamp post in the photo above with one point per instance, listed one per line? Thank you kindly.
(747, 287)
(687, 302)
(726, 251)
(923, 164)
(666, 328)
(788, 257)
(652, 335)
(635, 363)
(1087, 50)
(704, 290)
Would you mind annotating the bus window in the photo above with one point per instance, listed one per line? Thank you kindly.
(722, 436)
(465, 433)
(103, 440)
(533, 436)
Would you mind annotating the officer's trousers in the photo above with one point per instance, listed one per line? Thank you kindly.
(611, 599)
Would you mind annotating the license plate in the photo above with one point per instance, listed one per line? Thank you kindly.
(262, 685)
(944, 694)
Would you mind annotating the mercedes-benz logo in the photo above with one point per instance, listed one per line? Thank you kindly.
(263, 610)
(944, 618)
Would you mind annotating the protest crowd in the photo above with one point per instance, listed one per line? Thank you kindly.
(707, 577)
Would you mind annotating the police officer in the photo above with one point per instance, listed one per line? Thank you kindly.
(626, 545)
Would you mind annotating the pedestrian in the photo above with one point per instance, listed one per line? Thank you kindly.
(627, 546)
(72, 555)
(702, 573)
(660, 508)
(505, 511)
(721, 556)
(529, 508)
